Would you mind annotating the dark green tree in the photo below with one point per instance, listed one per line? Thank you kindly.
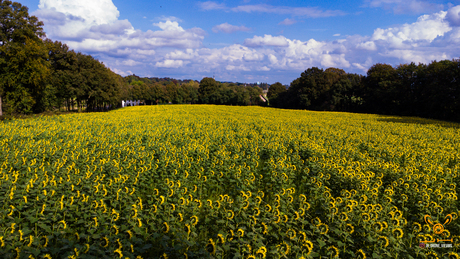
(380, 89)
(207, 87)
(23, 59)
(273, 91)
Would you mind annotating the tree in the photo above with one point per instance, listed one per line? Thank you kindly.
(207, 87)
(274, 90)
(64, 80)
(380, 89)
(23, 59)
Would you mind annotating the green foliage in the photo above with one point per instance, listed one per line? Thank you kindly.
(23, 56)
(207, 87)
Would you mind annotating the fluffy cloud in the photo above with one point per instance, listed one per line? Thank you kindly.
(228, 28)
(266, 40)
(169, 63)
(94, 27)
(453, 16)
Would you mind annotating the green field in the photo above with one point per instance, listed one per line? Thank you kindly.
(199, 181)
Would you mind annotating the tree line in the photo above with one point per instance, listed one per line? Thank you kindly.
(38, 74)
(431, 91)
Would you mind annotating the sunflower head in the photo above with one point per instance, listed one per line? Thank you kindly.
(453, 255)
(350, 229)
(323, 228)
(398, 233)
(333, 251)
(383, 241)
(360, 254)
(211, 246)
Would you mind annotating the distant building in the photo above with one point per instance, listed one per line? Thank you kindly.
(130, 103)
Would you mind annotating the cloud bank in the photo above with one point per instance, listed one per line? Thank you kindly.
(169, 49)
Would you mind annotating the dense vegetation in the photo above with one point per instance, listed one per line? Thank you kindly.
(37, 74)
(431, 90)
(189, 181)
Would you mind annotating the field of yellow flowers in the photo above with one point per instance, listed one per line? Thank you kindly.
(197, 181)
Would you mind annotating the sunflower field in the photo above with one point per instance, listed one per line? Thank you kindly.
(202, 181)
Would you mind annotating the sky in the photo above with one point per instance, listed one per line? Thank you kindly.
(252, 41)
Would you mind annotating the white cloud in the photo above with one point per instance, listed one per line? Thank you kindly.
(169, 63)
(287, 21)
(168, 45)
(130, 63)
(94, 26)
(228, 28)
(368, 45)
(237, 68)
(426, 28)
(266, 40)
(336, 35)
(264, 68)
(453, 16)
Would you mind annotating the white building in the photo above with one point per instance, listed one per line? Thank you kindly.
(130, 103)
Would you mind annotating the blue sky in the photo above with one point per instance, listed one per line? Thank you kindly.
(249, 40)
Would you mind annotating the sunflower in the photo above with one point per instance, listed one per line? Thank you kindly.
(398, 232)
(285, 218)
(194, 220)
(365, 216)
(378, 226)
(343, 216)
(432, 255)
(240, 232)
(309, 245)
(211, 246)
(453, 255)
(166, 227)
(333, 210)
(334, 251)
(456, 241)
(384, 242)
(187, 229)
(363, 198)
(302, 212)
(285, 248)
(291, 233)
(268, 207)
(265, 228)
(394, 222)
(316, 221)
(426, 228)
(246, 205)
(350, 229)
(323, 228)
(360, 254)
(349, 208)
(261, 252)
(221, 238)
